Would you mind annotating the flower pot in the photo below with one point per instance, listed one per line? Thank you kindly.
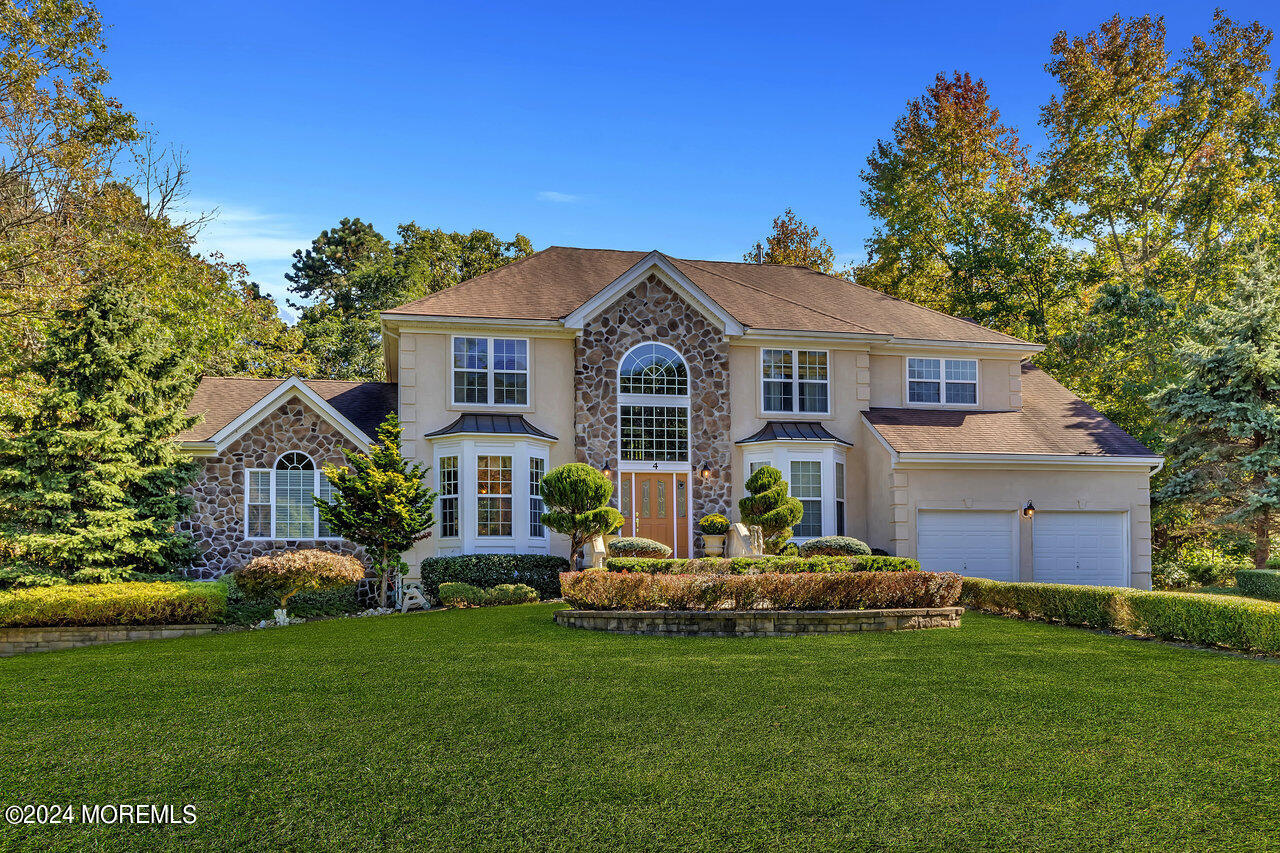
(713, 544)
(282, 616)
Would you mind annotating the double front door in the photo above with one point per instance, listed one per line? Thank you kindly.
(656, 506)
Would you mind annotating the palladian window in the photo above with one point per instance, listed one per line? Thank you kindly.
(280, 503)
(653, 405)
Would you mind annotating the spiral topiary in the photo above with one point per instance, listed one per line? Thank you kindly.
(771, 507)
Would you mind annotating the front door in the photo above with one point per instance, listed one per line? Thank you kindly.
(656, 507)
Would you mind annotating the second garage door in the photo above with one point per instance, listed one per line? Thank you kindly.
(977, 543)
(1081, 547)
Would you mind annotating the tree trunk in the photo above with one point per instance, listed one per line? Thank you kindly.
(383, 577)
(1262, 539)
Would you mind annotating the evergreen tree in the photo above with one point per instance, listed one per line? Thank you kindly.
(91, 482)
(1226, 456)
(770, 507)
(383, 505)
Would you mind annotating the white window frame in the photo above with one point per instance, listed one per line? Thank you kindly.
(455, 403)
(536, 496)
(510, 496)
(669, 401)
(942, 382)
(795, 382)
(455, 495)
(468, 450)
(780, 455)
(271, 479)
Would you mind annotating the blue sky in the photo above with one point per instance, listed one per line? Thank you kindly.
(681, 127)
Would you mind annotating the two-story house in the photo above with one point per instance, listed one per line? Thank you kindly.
(923, 434)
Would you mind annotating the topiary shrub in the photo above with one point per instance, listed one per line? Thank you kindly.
(510, 593)
(770, 507)
(634, 546)
(540, 571)
(286, 573)
(714, 524)
(835, 546)
(576, 498)
(461, 595)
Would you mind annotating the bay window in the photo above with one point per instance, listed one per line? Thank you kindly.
(489, 495)
(806, 485)
(493, 500)
(953, 381)
(448, 496)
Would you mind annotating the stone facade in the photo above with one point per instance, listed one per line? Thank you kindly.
(653, 311)
(758, 623)
(218, 520)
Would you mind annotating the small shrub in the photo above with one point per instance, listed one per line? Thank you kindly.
(286, 573)
(1263, 583)
(243, 609)
(635, 546)
(714, 524)
(603, 590)
(834, 546)
(756, 565)
(511, 593)
(164, 603)
(540, 571)
(461, 595)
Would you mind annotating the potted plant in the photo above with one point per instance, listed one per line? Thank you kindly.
(713, 528)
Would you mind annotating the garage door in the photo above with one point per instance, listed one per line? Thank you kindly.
(977, 543)
(1080, 547)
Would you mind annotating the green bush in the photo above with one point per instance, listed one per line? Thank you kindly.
(164, 603)
(511, 593)
(576, 498)
(309, 604)
(598, 590)
(540, 571)
(834, 546)
(284, 574)
(769, 506)
(1212, 620)
(1263, 583)
(461, 595)
(1196, 564)
(714, 524)
(635, 546)
(756, 565)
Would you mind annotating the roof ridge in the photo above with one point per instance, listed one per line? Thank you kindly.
(777, 296)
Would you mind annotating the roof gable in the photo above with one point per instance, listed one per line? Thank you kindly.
(672, 276)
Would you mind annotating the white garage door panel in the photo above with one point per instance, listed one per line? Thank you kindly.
(1081, 548)
(977, 543)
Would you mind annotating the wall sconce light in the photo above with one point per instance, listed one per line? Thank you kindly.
(1029, 510)
(705, 473)
(606, 470)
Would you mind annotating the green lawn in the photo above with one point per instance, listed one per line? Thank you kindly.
(496, 729)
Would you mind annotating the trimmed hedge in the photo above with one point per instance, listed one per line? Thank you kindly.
(1213, 620)
(458, 594)
(594, 589)
(756, 565)
(540, 571)
(162, 603)
(637, 546)
(1264, 583)
(834, 546)
(466, 595)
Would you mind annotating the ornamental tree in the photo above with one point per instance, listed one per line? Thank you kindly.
(288, 573)
(770, 506)
(577, 497)
(1226, 456)
(381, 503)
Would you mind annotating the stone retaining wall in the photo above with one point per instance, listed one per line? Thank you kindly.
(17, 641)
(758, 623)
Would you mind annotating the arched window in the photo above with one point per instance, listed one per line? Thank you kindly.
(653, 369)
(280, 501)
(653, 430)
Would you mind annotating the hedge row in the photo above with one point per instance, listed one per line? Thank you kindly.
(756, 565)
(466, 595)
(540, 571)
(162, 603)
(1264, 583)
(603, 590)
(1213, 620)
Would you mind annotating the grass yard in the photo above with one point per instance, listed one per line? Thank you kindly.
(496, 729)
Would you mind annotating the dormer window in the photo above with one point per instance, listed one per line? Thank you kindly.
(949, 381)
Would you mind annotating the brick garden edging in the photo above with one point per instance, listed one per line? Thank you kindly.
(758, 623)
(17, 641)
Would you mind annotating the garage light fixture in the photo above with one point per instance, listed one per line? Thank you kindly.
(1029, 510)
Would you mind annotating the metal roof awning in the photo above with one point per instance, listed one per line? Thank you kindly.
(792, 431)
(480, 424)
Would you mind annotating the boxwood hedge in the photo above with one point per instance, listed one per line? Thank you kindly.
(540, 571)
(1264, 583)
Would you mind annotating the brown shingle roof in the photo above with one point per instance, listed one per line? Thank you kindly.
(222, 399)
(1052, 421)
(553, 283)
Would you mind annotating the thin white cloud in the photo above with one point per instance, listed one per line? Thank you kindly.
(559, 198)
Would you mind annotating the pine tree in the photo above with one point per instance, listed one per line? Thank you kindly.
(91, 482)
(1226, 456)
(383, 505)
(771, 507)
